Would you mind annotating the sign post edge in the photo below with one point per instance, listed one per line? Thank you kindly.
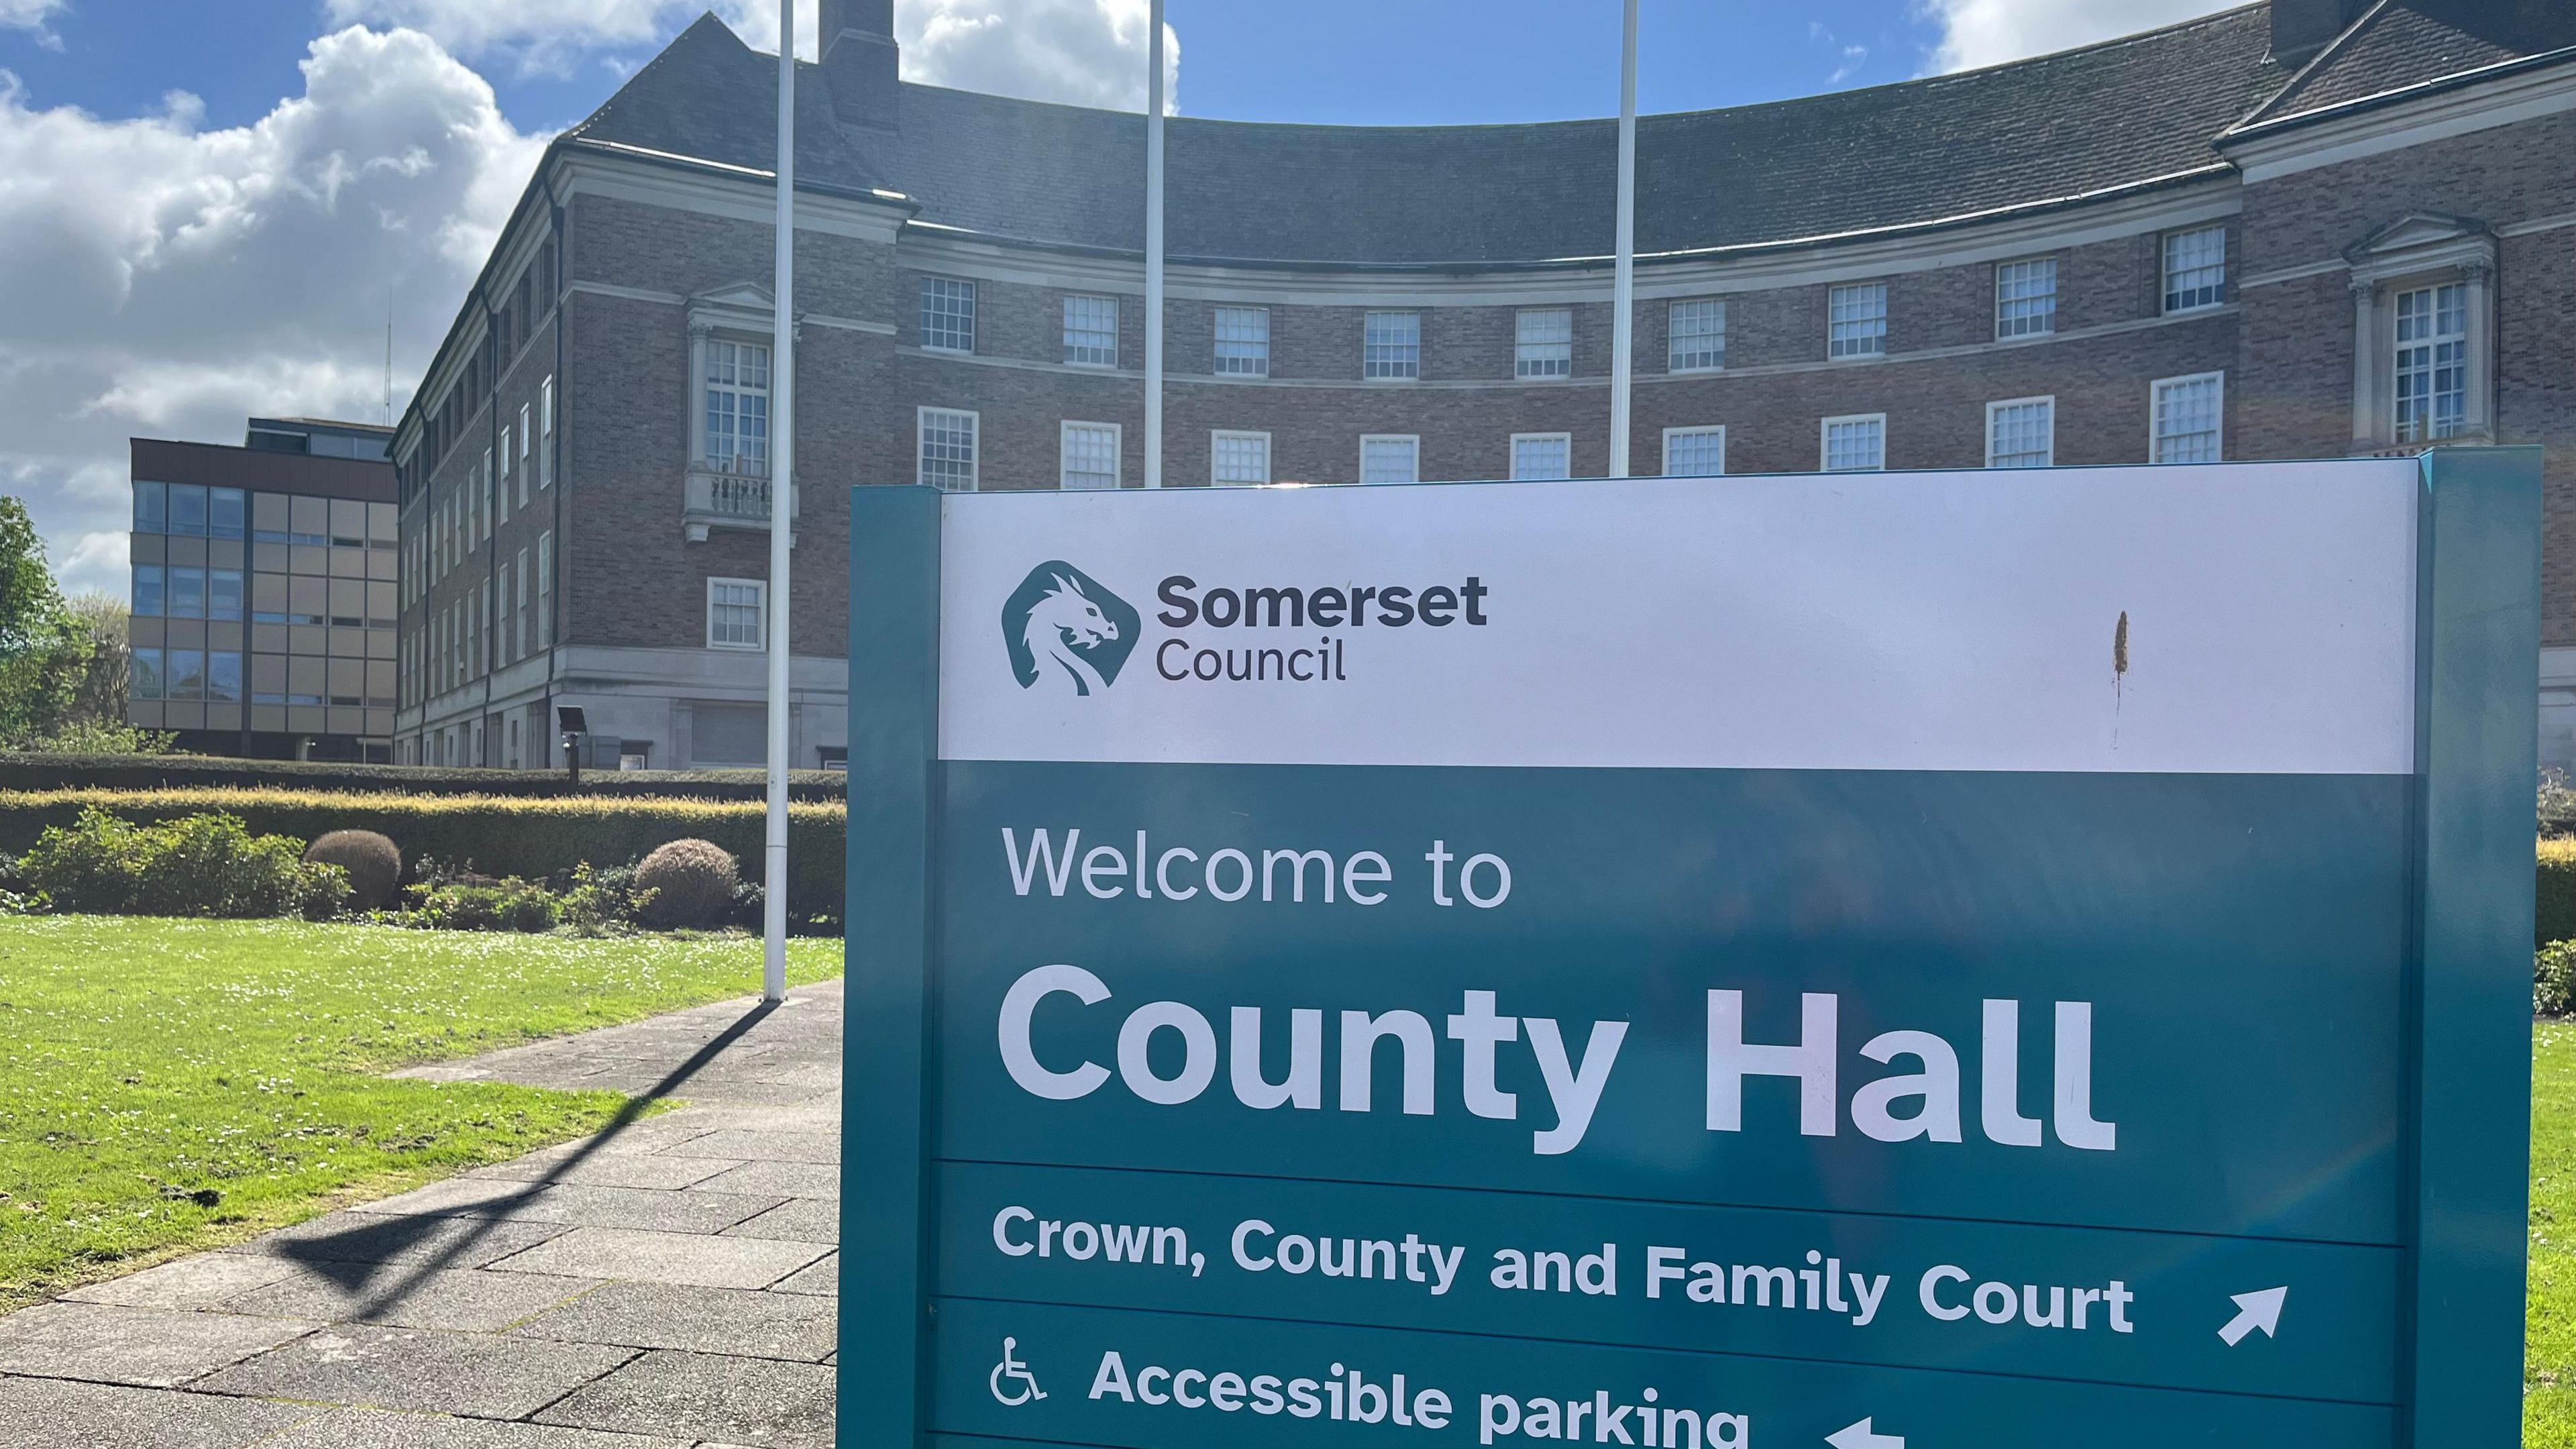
(887, 962)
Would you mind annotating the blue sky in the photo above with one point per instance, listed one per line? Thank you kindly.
(1360, 61)
(209, 208)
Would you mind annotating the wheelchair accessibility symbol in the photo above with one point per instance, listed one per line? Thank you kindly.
(1011, 1370)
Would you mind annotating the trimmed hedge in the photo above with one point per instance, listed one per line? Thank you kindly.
(2554, 900)
(163, 772)
(526, 836)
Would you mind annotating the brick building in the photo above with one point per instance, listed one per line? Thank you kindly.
(264, 581)
(2309, 228)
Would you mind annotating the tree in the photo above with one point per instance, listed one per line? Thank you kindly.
(99, 690)
(43, 650)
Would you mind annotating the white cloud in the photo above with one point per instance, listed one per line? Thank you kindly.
(1988, 32)
(30, 15)
(544, 35)
(161, 279)
(1081, 52)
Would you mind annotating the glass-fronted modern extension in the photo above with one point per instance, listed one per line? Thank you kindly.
(264, 592)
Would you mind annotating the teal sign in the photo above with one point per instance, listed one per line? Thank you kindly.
(1949, 961)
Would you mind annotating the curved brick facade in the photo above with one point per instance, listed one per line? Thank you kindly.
(2353, 176)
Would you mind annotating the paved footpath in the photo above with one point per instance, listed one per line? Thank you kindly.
(671, 1282)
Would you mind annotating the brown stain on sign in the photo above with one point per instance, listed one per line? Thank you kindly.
(2120, 649)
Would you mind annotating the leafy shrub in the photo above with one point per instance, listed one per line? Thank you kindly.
(603, 901)
(2554, 896)
(692, 883)
(2557, 804)
(506, 905)
(373, 864)
(2553, 979)
(197, 865)
(322, 891)
(536, 838)
(112, 765)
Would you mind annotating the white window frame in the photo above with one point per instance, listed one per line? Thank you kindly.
(1219, 436)
(1824, 442)
(1217, 341)
(1064, 454)
(975, 447)
(2048, 458)
(2165, 271)
(502, 623)
(2428, 426)
(1369, 365)
(2042, 321)
(760, 613)
(1859, 343)
(1414, 440)
(1672, 335)
(701, 436)
(1696, 430)
(523, 604)
(1567, 439)
(1547, 359)
(546, 589)
(527, 450)
(546, 419)
(2218, 433)
(1076, 300)
(966, 291)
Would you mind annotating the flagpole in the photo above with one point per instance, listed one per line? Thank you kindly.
(782, 493)
(1154, 246)
(1623, 287)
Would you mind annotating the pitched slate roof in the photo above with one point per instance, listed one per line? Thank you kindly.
(2106, 117)
(2394, 46)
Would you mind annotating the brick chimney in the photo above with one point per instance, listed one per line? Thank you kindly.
(2300, 28)
(859, 62)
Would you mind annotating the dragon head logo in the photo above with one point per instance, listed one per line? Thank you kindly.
(1065, 631)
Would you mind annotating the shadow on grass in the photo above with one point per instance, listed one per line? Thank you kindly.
(354, 1257)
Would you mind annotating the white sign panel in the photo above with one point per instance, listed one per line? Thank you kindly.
(2240, 619)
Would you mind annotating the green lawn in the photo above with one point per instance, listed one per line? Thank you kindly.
(2549, 1357)
(168, 1085)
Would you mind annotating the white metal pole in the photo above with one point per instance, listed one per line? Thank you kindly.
(1623, 287)
(782, 494)
(1154, 247)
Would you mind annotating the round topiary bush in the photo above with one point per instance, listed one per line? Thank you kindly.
(373, 864)
(691, 883)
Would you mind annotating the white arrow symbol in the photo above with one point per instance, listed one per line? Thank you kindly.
(1862, 1436)
(2254, 1310)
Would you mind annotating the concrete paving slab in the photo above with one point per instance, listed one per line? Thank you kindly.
(150, 1347)
(684, 1258)
(363, 1237)
(803, 1117)
(746, 1401)
(822, 1279)
(456, 1302)
(756, 1146)
(381, 1429)
(776, 1179)
(475, 1375)
(699, 1320)
(608, 1170)
(199, 1282)
(580, 1205)
(798, 1220)
(54, 1414)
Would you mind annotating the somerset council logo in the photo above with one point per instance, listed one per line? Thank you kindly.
(1067, 632)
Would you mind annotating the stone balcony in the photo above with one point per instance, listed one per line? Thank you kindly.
(729, 495)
